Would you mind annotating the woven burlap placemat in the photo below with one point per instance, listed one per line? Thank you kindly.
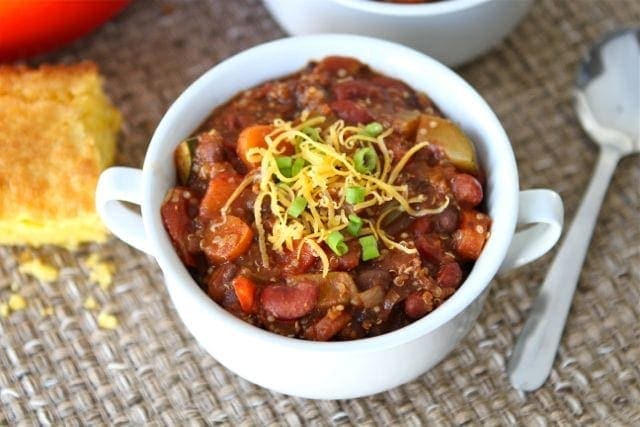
(58, 366)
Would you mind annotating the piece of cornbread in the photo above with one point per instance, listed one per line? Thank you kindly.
(57, 132)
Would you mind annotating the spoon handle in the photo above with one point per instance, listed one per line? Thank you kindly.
(532, 358)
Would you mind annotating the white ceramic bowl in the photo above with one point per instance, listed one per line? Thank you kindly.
(452, 31)
(333, 369)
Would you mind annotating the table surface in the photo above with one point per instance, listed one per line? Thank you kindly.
(64, 368)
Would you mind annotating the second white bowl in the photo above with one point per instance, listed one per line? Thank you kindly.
(452, 31)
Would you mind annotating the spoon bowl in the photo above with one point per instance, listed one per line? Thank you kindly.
(607, 92)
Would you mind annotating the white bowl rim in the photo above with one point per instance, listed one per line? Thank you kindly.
(457, 303)
(425, 9)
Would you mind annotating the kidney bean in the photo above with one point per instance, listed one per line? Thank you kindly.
(466, 189)
(418, 304)
(351, 112)
(292, 264)
(449, 275)
(289, 302)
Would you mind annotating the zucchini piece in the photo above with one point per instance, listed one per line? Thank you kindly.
(451, 138)
(183, 157)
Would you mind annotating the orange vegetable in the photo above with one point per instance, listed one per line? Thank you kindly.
(226, 241)
(245, 290)
(218, 192)
(468, 243)
(469, 239)
(252, 137)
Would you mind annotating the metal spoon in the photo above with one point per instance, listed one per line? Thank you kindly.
(607, 102)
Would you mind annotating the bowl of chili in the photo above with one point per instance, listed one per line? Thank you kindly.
(212, 280)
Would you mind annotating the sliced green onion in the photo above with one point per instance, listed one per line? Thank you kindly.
(354, 195)
(297, 206)
(297, 166)
(369, 247)
(355, 224)
(365, 160)
(335, 241)
(373, 129)
(312, 133)
(284, 164)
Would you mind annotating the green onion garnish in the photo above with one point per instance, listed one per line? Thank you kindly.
(297, 206)
(355, 224)
(297, 166)
(365, 160)
(312, 133)
(335, 241)
(354, 195)
(373, 129)
(284, 164)
(369, 247)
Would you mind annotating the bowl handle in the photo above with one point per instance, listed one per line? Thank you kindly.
(543, 211)
(115, 185)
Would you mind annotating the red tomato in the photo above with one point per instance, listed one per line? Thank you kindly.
(35, 26)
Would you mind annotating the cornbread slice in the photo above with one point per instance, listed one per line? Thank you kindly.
(57, 132)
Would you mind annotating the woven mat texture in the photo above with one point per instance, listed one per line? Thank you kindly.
(63, 368)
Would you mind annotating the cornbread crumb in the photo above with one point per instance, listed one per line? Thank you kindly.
(17, 302)
(107, 321)
(46, 311)
(4, 309)
(100, 272)
(58, 131)
(90, 303)
(38, 269)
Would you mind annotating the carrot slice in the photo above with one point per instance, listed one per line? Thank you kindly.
(468, 243)
(218, 192)
(252, 137)
(226, 241)
(245, 290)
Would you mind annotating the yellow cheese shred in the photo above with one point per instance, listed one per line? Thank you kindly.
(329, 169)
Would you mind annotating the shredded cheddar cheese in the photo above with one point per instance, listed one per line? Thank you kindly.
(328, 170)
